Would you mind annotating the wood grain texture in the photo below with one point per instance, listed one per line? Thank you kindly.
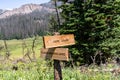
(58, 40)
(55, 53)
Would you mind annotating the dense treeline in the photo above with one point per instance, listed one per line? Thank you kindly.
(27, 25)
(96, 26)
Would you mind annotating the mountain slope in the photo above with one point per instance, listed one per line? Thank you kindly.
(26, 21)
(25, 9)
(1, 11)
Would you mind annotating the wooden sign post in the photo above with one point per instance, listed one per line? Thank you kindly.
(57, 54)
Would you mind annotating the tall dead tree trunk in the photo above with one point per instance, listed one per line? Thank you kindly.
(33, 46)
(27, 53)
(7, 51)
(57, 12)
(23, 47)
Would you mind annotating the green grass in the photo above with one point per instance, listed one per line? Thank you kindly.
(41, 69)
(67, 73)
(15, 46)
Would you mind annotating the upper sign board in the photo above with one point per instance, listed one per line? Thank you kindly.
(58, 40)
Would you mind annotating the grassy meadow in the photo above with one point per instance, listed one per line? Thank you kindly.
(41, 69)
(15, 47)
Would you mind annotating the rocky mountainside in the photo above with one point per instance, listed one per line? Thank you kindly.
(1, 11)
(27, 8)
(26, 21)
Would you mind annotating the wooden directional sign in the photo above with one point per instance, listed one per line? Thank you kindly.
(55, 53)
(58, 40)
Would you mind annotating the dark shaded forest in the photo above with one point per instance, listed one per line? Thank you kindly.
(96, 26)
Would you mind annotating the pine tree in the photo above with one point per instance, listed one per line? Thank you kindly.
(95, 24)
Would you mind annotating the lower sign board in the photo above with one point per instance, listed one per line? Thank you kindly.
(58, 40)
(55, 53)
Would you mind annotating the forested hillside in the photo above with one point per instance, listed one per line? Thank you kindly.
(26, 21)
